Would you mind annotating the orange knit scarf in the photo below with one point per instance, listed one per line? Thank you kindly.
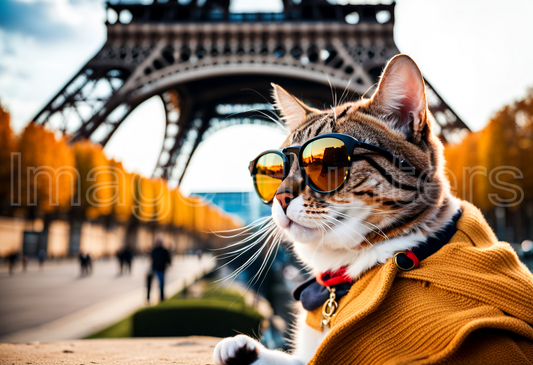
(472, 285)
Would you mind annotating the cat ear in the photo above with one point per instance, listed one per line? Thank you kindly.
(293, 111)
(401, 97)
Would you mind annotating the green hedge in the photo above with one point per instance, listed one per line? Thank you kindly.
(120, 329)
(196, 317)
(231, 295)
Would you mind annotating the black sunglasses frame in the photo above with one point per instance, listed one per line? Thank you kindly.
(351, 143)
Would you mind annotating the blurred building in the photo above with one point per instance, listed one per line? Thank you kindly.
(246, 205)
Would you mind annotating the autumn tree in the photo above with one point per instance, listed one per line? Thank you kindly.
(163, 202)
(56, 176)
(494, 168)
(48, 175)
(122, 192)
(7, 145)
(96, 184)
(178, 210)
(523, 112)
(145, 200)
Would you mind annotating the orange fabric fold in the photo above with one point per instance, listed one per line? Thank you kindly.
(471, 302)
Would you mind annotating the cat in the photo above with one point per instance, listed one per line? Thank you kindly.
(396, 118)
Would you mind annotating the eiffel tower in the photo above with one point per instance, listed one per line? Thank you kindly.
(210, 67)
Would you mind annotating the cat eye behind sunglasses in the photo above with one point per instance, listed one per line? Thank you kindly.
(324, 161)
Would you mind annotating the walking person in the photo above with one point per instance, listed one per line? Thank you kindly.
(24, 262)
(85, 264)
(120, 257)
(12, 258)
(160, 261)
(41, 256)
(127, 257)
(89, 264)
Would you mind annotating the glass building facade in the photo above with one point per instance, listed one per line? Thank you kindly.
(246, 205)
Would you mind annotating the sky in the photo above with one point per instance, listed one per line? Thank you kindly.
(477, 54)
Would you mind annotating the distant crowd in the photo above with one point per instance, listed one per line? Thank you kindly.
(160, 259)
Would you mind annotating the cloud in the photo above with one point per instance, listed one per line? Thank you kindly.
(36, 61)
(36, 20)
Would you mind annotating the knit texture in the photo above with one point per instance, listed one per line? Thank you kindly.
(469, 303)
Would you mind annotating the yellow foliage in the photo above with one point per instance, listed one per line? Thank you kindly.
(6, 148)
(55, 175)
(494, 165)
(47, 171)
(163, 202)
(122, 191)
(96, 181)
(178, 208)
(145, 201)
(188, 215)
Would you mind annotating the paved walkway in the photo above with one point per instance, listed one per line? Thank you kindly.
(145, 351)
(57, 304)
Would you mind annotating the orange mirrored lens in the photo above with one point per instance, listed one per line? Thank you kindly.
(269, 175)
(326, 163)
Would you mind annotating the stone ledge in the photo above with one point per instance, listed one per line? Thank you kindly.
(145, 351)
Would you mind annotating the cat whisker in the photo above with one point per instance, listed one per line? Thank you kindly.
(346, 205)
(375, 211)
(257, 92)
(350, 228)
(255, 223)
(242, 250)
(332, 230)
(273, 248)
(369, 89)
(320, 225)
(280, 124)
(276, 121)
(363, 222)
(345, 93)
(272, 239)
(235, 256)
(250, 237)
(244, 230)
(316, 251)
(334, 99)
(379, 231)
(242, 267)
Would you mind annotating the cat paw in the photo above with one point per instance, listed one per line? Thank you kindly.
(238, 350)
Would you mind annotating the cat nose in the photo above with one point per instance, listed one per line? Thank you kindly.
(284, 199)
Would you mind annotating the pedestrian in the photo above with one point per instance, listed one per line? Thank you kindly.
(85, 263)
(120, 258)
(12, 258)
(41, 256)
(149, 278)
(127, 257)
(160, 261)
(89, 264)
(24, 262)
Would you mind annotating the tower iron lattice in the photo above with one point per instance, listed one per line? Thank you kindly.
(212, 68)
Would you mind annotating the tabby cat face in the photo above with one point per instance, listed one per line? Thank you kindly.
(368, 208)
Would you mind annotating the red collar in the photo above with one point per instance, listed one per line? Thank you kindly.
(330, 278)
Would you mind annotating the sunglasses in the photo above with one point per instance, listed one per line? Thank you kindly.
(325, 162)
